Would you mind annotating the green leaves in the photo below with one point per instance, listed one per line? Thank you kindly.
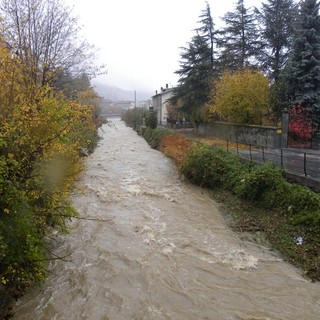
(40, 136)
(209, 167)
(263, 185)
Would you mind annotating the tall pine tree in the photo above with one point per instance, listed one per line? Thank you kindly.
(239, 41)
(303, 78)
(196, 67)
(206, 30)
(277, 19)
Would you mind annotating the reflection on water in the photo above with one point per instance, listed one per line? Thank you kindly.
(159, 249)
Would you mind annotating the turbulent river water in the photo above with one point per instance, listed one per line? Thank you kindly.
(159, 248)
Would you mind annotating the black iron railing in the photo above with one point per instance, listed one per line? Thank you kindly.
(296, 161)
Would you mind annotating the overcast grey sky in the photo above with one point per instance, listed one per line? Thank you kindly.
(139, 40)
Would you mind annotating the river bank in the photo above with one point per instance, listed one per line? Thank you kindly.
(281, 230)
(271, 229)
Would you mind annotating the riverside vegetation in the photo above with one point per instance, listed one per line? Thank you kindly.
(49, 115)
(41, 136)
(260, 199)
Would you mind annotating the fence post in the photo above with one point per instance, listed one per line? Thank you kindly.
(284, 128)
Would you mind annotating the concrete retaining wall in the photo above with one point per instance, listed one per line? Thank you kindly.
(254, 135)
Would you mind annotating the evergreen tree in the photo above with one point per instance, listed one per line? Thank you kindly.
(196, 67)
(206, 30)
(195, 72)
(277, 19)
(303, 78)
(239, 41)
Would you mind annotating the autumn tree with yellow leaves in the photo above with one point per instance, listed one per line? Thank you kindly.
(41, 133)
(241, 97)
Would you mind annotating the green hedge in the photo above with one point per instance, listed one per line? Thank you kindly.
(263, 184)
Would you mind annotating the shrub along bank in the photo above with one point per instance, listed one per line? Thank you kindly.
(259, 197)
(40, 142)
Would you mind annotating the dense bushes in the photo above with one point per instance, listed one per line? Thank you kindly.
(262, 184)
(209, 168)
(151, 120)
(41, 134)
(38, 163)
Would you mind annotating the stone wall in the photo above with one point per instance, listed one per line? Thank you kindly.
(250, 134)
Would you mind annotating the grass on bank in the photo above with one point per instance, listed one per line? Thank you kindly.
(259, 197)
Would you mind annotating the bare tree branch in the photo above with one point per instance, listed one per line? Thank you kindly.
(46, 37)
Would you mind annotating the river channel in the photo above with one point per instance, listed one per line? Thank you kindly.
(159, 248)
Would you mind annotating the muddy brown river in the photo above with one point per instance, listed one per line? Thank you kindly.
(159, 248)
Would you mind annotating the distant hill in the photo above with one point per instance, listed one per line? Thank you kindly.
(117, 94)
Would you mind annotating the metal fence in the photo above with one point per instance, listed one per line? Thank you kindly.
(298, 162)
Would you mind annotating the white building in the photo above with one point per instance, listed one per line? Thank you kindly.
(160, 103)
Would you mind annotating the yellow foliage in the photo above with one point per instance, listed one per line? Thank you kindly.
(88, 97)
(241, 97)
(40, 137)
